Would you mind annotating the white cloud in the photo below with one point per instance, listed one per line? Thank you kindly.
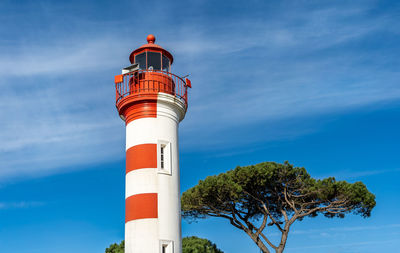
(347, 229)
(20, 204)
(351, 174)
(333, 245)
(62, 58)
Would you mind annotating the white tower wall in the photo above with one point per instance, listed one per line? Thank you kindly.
(163, 226)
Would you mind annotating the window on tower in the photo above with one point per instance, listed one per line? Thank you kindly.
(164, 157)
(141, 60)
(165, 63)
(153, 60)
(166, 246)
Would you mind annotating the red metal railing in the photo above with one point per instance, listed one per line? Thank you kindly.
(150, 81)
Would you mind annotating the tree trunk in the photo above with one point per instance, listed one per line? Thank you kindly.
(284, 237)
(258, 241)
(261, 245)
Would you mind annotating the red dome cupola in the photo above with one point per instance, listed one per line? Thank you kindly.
(151, 55)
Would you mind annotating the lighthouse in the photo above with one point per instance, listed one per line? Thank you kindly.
(152, 101)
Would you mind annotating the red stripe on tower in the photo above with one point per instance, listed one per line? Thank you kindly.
(141, 157)
(141, 206)
(137, 107)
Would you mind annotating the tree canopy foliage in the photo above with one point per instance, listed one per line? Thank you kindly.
(191, 244)
(116, 248)
(194, 244)
(267, 194)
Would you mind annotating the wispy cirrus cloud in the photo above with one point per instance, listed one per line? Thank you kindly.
(57, 92)
(351, 174)
(61, 58)
(20, 204)
(347, 229)
(311, 63)
(346, 245)
(56, 115)
(336, 234)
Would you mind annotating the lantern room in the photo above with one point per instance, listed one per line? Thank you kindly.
(151, 56)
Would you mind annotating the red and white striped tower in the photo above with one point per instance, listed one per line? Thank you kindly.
(152, 101)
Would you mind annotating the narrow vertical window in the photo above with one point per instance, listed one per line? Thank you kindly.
(166, 246)
(162, 156)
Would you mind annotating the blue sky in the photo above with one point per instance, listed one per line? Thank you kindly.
(312, 82)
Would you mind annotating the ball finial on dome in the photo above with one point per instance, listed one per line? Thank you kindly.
(151, 39)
